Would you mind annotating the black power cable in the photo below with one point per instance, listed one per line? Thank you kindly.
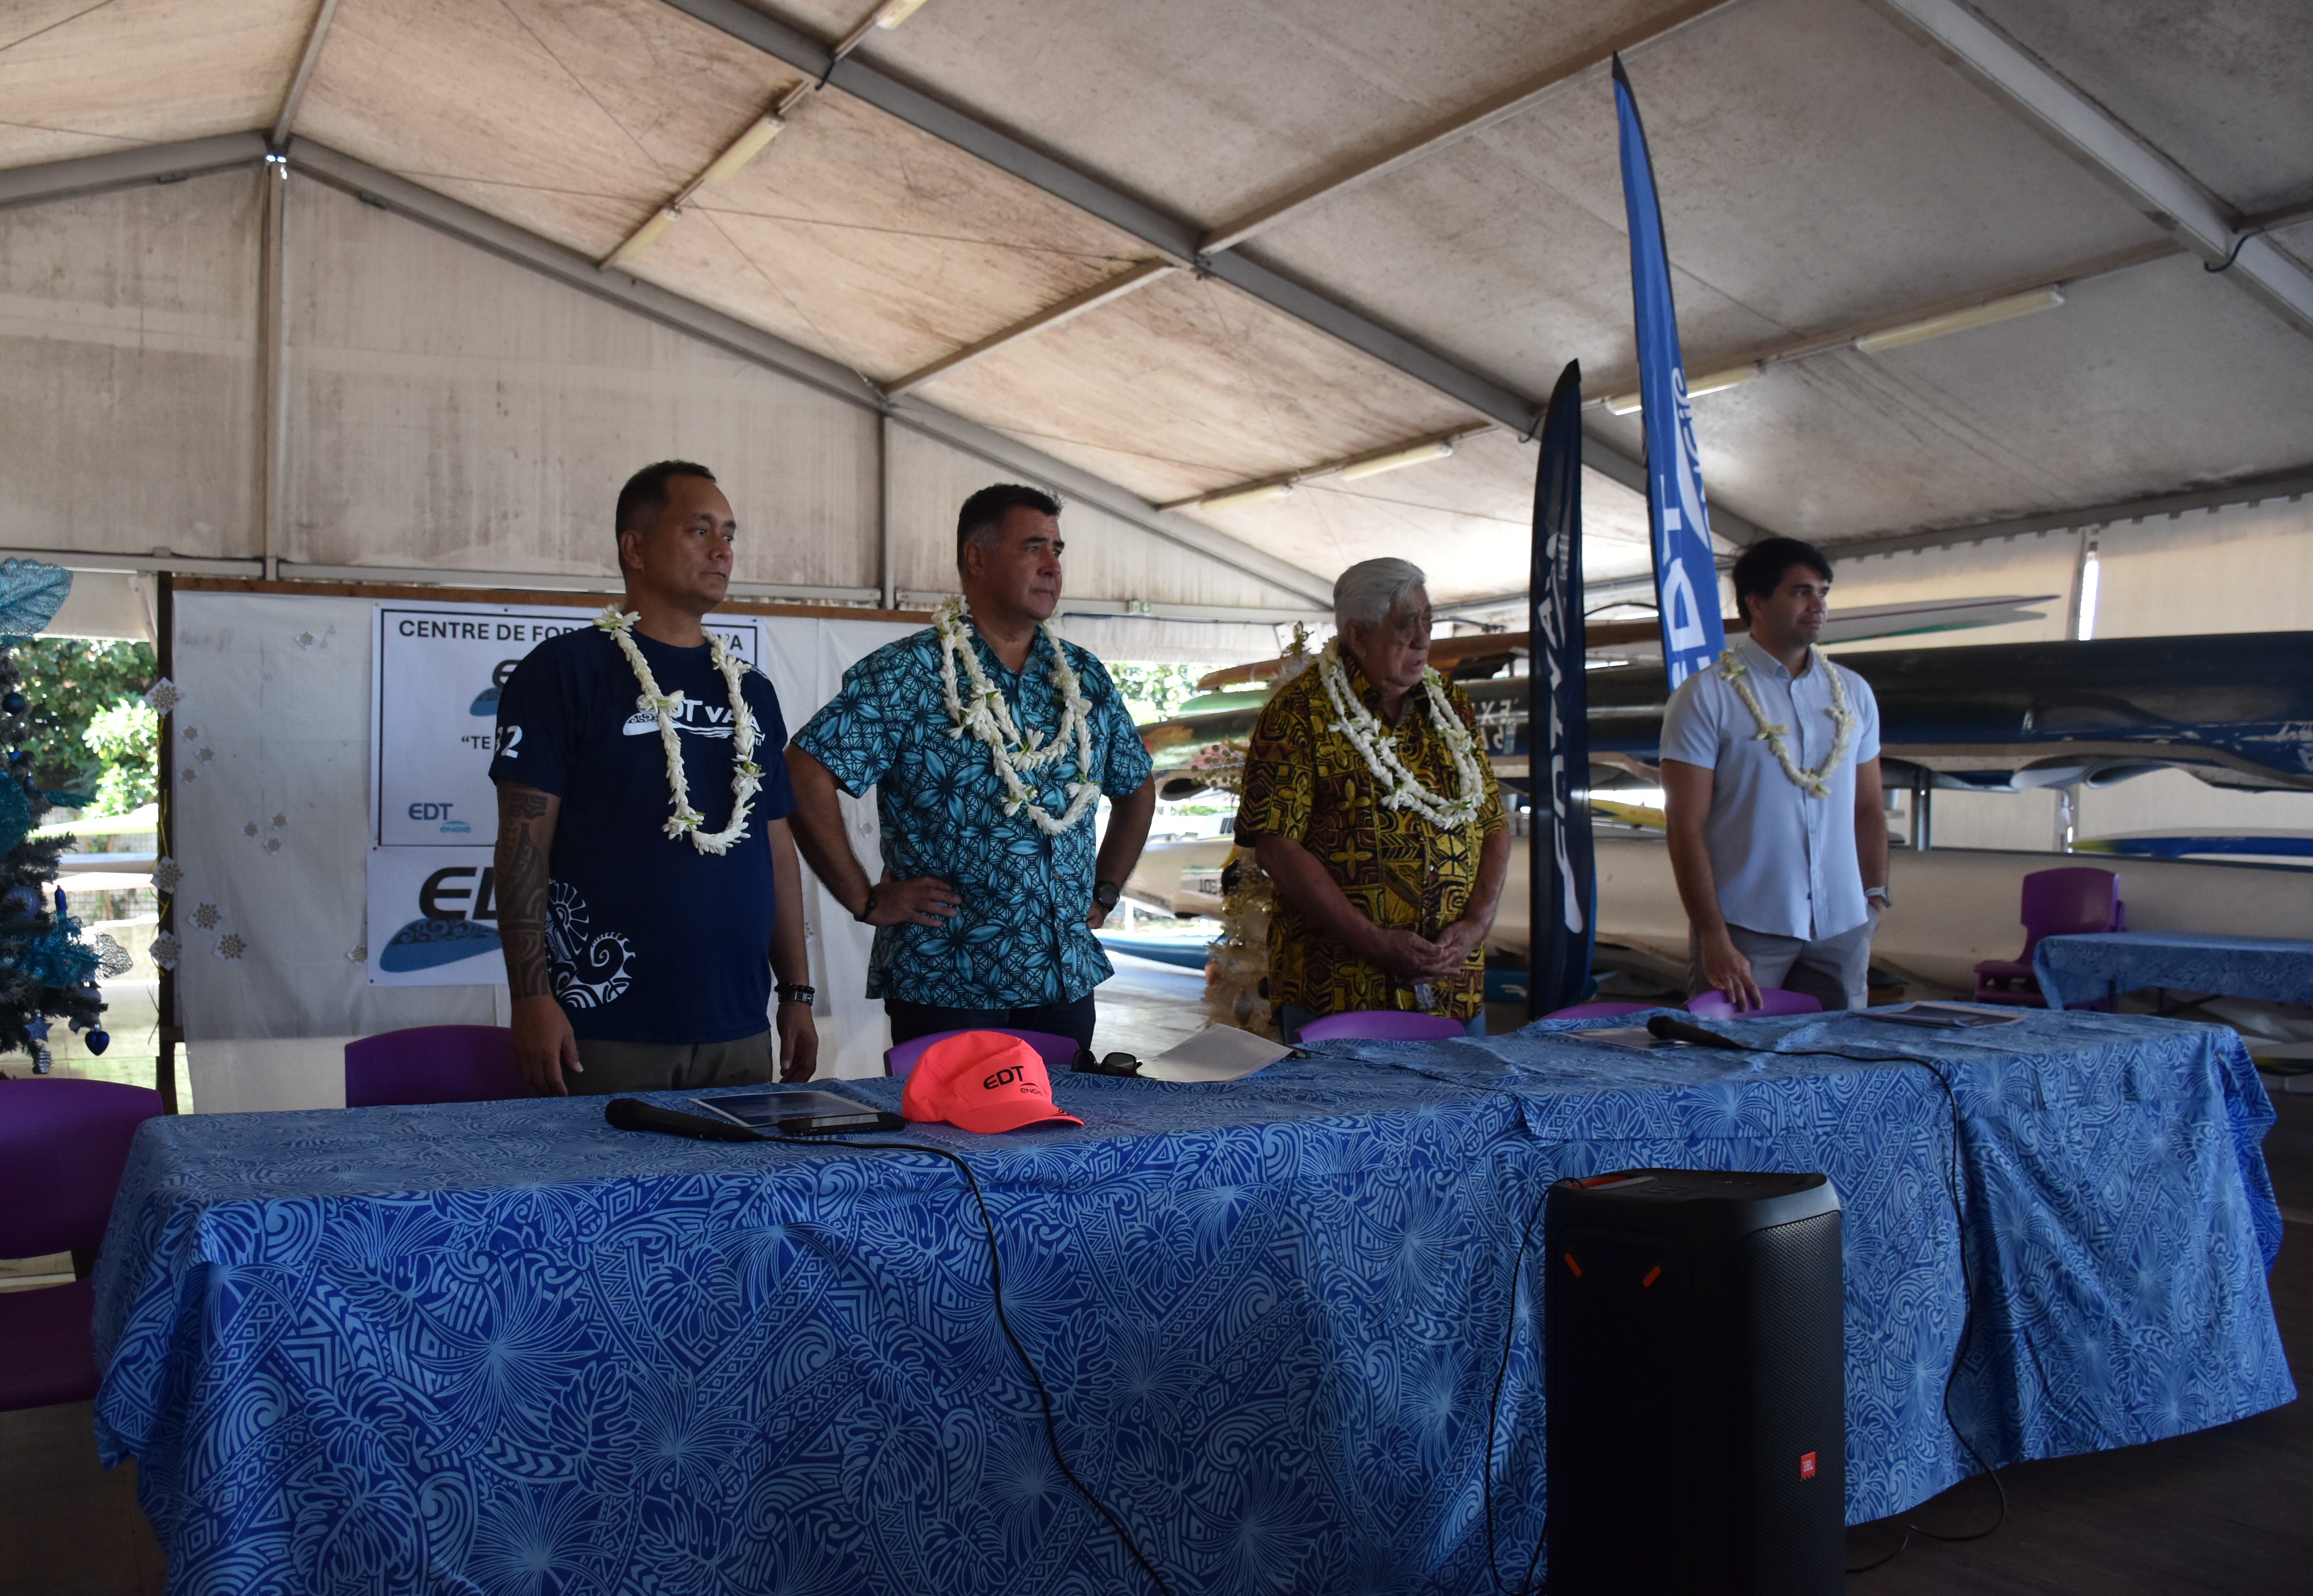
(629, 1113)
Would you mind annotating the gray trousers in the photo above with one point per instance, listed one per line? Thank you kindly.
(1834, 971)
(673, 1066)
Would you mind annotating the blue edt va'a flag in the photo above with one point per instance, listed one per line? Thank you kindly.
(1562, 895)
(1687, 581)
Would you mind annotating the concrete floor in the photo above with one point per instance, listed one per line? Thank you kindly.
(2219, 1512)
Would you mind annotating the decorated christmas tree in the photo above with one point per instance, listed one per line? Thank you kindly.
(48, 968)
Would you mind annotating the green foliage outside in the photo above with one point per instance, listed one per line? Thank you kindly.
(1156, 692)
(124, 740)
(71, 682)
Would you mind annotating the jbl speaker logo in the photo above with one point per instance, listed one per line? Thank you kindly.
(1807, 1465)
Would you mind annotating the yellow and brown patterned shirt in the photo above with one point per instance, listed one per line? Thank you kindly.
(1305, 781)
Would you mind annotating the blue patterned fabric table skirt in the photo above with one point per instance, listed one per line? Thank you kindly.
(2082, 969)
(500, 1347)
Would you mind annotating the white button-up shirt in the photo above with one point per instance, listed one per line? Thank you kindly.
(1784, 860)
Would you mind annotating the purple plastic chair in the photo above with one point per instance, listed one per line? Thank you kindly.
(1058, 1052)
(1383, 1025)
(1598, 1011)
(433, 1064)
(63, 1143)
(2077, 899)
(1773, 1000)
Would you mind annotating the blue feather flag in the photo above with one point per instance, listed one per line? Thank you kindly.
(1562, 895)
(1686, 578)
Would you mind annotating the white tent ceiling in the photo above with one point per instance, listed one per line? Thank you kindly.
(1824, 169)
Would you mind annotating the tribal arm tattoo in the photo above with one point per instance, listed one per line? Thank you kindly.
(526, 821)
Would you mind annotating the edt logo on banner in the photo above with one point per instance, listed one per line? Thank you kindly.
(436, 672)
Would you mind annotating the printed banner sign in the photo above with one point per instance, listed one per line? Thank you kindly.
(435, 674)
(1686, 577)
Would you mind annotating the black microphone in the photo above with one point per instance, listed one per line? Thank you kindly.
(631, 1113)
(1679, 1031)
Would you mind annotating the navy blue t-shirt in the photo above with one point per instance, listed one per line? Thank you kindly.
(648, 940)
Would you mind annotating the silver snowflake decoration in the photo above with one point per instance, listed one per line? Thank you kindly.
(189, 772)
(250, 829)
(167, 875)
(192, 734)
(164, 695)
(207, 917)
(206, 755)
(305, 640)
(166, 948)
(358, 955)
(230, 947)
(280, 821)
(111, 958)
(272, 845)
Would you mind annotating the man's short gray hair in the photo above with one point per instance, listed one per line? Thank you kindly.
(1365, 593)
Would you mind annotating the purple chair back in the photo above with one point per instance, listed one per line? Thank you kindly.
(62, 1144)
(1058, 1052)
(1773, 1000)
(1597, 1011)
(433, 1064)
(2064, 902)
(1383, 1025)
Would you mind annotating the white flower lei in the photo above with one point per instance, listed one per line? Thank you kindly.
(747, 776)
(1400, 787)
(988, 719)
(1843, 721)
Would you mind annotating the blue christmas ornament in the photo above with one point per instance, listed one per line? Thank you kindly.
(15, 703)
(97, 1041)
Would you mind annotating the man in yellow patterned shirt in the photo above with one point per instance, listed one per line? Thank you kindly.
(1382, 905)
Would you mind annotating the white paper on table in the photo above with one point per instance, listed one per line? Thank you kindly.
(1216, 1053)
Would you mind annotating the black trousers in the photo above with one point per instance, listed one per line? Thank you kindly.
(912, 1019)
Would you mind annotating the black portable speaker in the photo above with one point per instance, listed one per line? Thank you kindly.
(1695, 1385)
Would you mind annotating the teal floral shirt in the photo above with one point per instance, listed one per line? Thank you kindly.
(1020, 940)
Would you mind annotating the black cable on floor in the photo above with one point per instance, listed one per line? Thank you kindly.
(996, 1294)
(1526, 1587)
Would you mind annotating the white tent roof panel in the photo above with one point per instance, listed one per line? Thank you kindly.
(1211, 107)
(79, 79)
(1199, 382)
(1817, 168)
(2226, 89)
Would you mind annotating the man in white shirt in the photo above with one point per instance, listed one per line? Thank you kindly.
(1770, 783)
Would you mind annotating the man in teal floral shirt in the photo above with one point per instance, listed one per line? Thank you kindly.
(989, 742)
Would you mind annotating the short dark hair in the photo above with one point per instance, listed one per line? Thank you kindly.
(1761, 570)
(643, 499)
(984, 511)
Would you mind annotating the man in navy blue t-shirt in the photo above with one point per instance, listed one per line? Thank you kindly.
(644, 920)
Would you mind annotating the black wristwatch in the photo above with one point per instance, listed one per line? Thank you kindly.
(1105, 894)
(788, 993)
(868, 907)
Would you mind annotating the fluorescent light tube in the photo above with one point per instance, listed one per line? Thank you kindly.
(643, 237)
(1397, 460)
(1982, 315)
(897, 12)
(1623, 404)
(744, 149)
(1231, 498)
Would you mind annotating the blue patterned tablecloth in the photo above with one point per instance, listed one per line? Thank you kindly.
(501, 1347)
(2073, 970)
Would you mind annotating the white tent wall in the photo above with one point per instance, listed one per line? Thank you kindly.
(454, 411)
(129, 371)
(270, 746)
